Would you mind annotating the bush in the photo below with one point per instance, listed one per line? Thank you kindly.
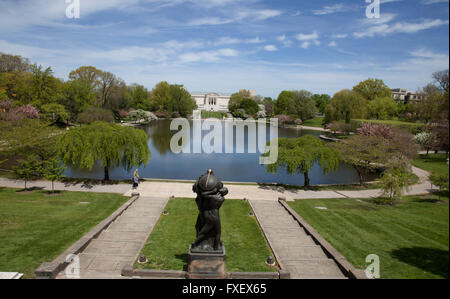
(341, 127)
(93, 114)
(162, 114)
(413, 128)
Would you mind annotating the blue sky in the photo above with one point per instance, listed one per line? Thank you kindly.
(227, 45)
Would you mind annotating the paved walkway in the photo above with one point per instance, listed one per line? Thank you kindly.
(255, 192)
(272, 193)
(120, 244)
(294, 250)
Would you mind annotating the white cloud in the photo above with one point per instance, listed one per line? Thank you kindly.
(331, 9)
(428, 2)
(339, 36)
(400, 27)
(240, 15)
(270, 48)
(332, 44)
(209, 21)
(232, 41)
(207, 56)
(306, 37)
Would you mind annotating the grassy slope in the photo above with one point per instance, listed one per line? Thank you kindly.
(244, 243)
(314, 122)
(411, 238)
(35, 228)
(436, 163)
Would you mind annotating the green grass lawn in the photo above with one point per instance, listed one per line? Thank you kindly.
(213, 114)
(411, 238)
(168, 245)
(436, 163)
(314, 122)
(35, 228)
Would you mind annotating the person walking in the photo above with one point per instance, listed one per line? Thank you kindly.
(135, 179)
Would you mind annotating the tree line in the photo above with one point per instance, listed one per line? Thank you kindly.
(89, 94)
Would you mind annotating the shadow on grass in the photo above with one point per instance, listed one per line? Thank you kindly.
(428, 259)
(184, 258)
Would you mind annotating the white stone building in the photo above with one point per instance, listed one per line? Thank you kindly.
(212, 101)
(405, 96)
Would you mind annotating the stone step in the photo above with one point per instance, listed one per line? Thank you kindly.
(113, 248)
(313, 269)
(121, 236)
(138, 220)
(287, 252)
(130, 227)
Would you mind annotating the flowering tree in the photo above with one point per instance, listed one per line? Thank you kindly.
(369, 129)
(283, 119)
(425, 140)
(17, 114)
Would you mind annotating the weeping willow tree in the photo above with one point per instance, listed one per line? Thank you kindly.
(112, 145)
(298, 155)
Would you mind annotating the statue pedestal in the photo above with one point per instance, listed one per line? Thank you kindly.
(207, 264)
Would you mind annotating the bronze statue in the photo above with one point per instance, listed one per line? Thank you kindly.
(210, 197)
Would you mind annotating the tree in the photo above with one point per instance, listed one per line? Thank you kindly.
(53, 170)
(55, 113)
(396, 178)
(138, 97)
(346, 105)
(28, 169)
(371, 89)
(13, 63)
(250, 106)
(181, 101)
(303, 105)
(442, 79)
(440, 180)
(44, 88)
(382, 108)
(112, 145)
(364, 153)
(430, 107)
(88, 75)
(78, 96)
(425, 140)
(297, 104)
(107, 84)
(300, 155)
(93, 114)
(322, 100)
(29, 137)
(283, 102)
(161, 97)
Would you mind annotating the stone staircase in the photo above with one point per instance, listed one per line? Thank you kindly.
(120, 244)
(293, 248)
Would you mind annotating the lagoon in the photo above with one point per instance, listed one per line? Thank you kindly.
(228, 167)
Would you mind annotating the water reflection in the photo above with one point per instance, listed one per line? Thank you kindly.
(229, 167)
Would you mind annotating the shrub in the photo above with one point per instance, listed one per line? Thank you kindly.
(162, 114)
(93, 114)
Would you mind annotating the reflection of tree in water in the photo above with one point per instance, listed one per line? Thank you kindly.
(161, 135)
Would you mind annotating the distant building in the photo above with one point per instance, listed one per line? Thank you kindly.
(212, 101)
(405, 96)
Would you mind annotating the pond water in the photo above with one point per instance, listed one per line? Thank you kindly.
(164, 164)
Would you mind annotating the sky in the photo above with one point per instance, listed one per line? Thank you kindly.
(322, 46)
